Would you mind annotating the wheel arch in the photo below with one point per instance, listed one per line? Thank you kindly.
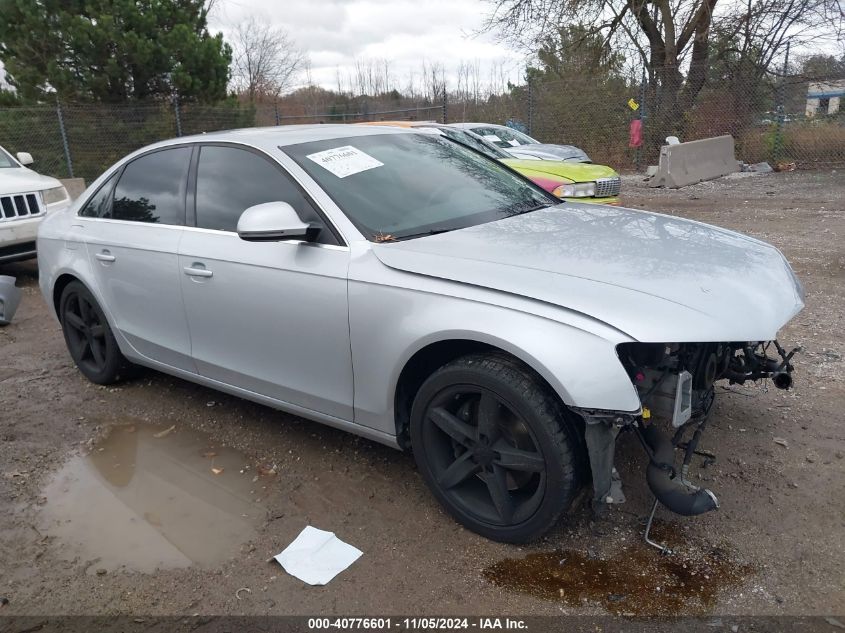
(59, 286)
(432, 355)
(55, 295)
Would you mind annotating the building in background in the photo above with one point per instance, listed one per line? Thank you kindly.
(824, 97)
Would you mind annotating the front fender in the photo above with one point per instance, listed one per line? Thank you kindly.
(389, 323)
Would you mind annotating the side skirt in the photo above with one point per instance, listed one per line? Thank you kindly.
(337, 423)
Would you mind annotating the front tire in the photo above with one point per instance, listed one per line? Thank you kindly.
(89, 338)
(496, 447)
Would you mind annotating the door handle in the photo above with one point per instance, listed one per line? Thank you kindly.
(105, 256)
(197, 272)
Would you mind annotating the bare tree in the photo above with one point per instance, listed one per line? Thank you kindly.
(475, 81)
(757, 34)
(265, 59)
(433, 80)
(306, 70)
(672, 38)
(341, 84)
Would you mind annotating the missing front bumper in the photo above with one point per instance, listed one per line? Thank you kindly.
(10, 298)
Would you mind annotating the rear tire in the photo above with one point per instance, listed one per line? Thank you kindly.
(89, 338)
(496, 447)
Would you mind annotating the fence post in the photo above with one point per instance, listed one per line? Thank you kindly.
(530, 105)
(177, 113)
(781, 109)
(63, 132)
(276, 112)
(445, 107)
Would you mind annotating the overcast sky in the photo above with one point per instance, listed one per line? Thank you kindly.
(336, 32)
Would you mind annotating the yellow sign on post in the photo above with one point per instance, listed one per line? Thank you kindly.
(633, 104)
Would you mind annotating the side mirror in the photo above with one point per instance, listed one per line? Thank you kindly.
(24, 158)
(274, 222)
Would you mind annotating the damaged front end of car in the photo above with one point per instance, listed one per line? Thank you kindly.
(676, 386)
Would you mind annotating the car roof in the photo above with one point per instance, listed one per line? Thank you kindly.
(269, 138)
(401, 123)
(470, 125)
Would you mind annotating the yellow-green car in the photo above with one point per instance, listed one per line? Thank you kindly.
(584, 182)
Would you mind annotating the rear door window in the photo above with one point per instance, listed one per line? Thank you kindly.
(152, 188)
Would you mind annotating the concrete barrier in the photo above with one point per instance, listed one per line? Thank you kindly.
(687, 163)
(74, 186)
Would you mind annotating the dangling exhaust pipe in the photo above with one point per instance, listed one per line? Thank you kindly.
(669, 490)
(782, 380)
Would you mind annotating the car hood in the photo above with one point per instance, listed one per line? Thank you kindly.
(23, 180)
(572, 172)
(654, 277)
(551, 152)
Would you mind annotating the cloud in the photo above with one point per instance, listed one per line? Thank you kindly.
(335, 33)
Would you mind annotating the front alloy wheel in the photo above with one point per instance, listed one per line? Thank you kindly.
(495, 447)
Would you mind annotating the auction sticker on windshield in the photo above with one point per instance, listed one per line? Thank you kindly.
(345, 161)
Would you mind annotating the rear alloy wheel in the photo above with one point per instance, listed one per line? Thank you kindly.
(496, 447)
(88, 336)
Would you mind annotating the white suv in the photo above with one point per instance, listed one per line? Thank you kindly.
(25, 198)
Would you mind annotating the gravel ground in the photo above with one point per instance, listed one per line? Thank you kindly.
(775, 547)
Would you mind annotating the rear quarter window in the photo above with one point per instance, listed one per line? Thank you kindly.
(99, 205)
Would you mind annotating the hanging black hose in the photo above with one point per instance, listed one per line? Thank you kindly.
(664, 482)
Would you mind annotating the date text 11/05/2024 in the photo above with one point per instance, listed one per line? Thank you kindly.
(417, 624)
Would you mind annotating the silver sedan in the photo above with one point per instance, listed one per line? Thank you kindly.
(404, 287)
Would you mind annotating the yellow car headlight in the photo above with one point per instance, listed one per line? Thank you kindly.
(54, 195)
(576, 190)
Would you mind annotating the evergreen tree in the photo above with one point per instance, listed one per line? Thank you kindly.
(112, 50)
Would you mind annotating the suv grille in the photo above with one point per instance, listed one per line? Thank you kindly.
(607, 187)
(19, 205)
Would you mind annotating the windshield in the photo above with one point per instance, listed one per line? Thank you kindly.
(395, 186)
(505, 136)
(6, 160)
(474, 141)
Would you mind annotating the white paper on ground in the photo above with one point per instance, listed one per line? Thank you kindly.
(345, 161)
(317, 556)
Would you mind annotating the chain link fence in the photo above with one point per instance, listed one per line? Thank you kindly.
(793, 120)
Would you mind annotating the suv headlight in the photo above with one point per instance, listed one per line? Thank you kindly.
(576, 190)
(54, 195)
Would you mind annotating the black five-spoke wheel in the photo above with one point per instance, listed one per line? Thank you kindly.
(89, 339)
(495, 447)
(483, 454)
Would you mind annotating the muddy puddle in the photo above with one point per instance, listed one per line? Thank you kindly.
(638, 580)
(148, 497)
